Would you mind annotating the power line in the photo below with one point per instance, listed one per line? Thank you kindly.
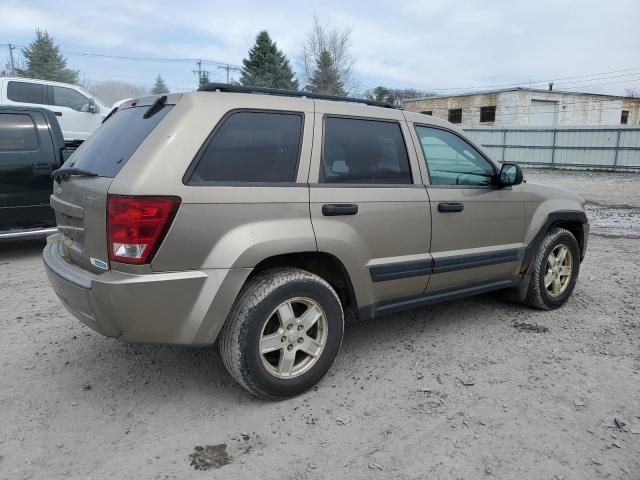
(532, 82)
(140, 59)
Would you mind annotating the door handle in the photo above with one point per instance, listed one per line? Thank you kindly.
(450, 207)
(39, 168)
(58, 114)
(336, 209)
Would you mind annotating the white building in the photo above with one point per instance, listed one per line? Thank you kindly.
(529, 107)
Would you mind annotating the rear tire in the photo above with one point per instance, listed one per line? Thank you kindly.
(556, 268)
(268, 344)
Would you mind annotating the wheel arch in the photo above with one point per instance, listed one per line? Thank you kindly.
(325, 265)
(572, 220)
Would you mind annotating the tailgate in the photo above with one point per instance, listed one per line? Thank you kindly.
(80, 204)
(80, 201)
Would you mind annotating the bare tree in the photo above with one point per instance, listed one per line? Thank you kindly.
(395, 96)
(334, 40)
(632, 92)
(110, 91)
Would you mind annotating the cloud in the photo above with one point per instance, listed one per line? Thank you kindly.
(413, 43)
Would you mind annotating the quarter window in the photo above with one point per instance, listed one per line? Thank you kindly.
(17, 133)
(364, 151)
(252, 147)
(455, 115)
(451, 160)
(67, 97)
(25, 92)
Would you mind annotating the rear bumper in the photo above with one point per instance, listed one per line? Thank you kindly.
(187, 308)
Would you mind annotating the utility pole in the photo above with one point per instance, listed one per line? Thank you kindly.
(199, 71)
(228, 69)
(13, 65)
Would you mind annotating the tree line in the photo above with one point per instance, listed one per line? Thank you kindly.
(325, 61)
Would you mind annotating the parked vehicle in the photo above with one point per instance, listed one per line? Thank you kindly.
(78, 112)
(266, 220)
(31, 147)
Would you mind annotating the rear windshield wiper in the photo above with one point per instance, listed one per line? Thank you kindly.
(155, 107)
(65, 173)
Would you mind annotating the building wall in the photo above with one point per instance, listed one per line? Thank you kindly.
(533, 108)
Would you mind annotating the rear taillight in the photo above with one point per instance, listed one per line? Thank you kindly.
(137, 225)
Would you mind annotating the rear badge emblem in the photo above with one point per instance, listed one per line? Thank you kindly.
(98, 263)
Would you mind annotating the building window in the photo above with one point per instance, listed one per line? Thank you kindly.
(427, 112)
(624, 117)
(455, 115)
(487, 114)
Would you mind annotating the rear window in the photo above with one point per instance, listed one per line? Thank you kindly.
(111, 146)
(25, 92)
(17, 133)
(252, 147)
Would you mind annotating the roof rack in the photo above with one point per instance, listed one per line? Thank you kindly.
(225, 87)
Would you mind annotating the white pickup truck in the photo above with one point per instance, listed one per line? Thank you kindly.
(79, 113)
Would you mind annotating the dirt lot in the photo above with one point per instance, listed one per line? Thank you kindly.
(477, 388)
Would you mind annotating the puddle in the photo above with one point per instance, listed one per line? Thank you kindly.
(617, 221)
(210, 456)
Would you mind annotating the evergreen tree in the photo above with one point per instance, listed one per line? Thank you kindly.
(159, 86)
(44, 61)
(267, 66)
(325, 78)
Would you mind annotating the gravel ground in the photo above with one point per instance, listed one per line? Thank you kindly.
(478, 388)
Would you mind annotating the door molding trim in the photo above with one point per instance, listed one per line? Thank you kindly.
(398, 270)
(473, 260)
(452, 263)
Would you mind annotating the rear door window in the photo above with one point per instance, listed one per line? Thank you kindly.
(362, 151)
(17, 133)
(251, 147)
(25, 92)
(111, 146)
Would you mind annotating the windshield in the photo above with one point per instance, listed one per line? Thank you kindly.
(111, 146)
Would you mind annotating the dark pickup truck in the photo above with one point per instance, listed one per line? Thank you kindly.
(31, 147)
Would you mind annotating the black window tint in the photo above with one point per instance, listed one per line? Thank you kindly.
(252, 147)
(17, 133)
(109, 148)
(364, 151)
(451, 160)
(26, 92)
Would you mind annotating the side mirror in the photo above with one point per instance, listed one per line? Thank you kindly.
(93, 108)
(510, 174)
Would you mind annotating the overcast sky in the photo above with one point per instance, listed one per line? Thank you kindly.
(428, 44)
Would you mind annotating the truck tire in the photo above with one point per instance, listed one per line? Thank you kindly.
(555, 270)
(283, 333)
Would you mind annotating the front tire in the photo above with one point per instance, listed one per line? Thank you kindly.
(283, 333)
(556, 268)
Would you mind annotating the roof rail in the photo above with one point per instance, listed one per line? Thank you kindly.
(225, 87)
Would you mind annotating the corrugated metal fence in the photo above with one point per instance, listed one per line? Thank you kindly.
(599, 147)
